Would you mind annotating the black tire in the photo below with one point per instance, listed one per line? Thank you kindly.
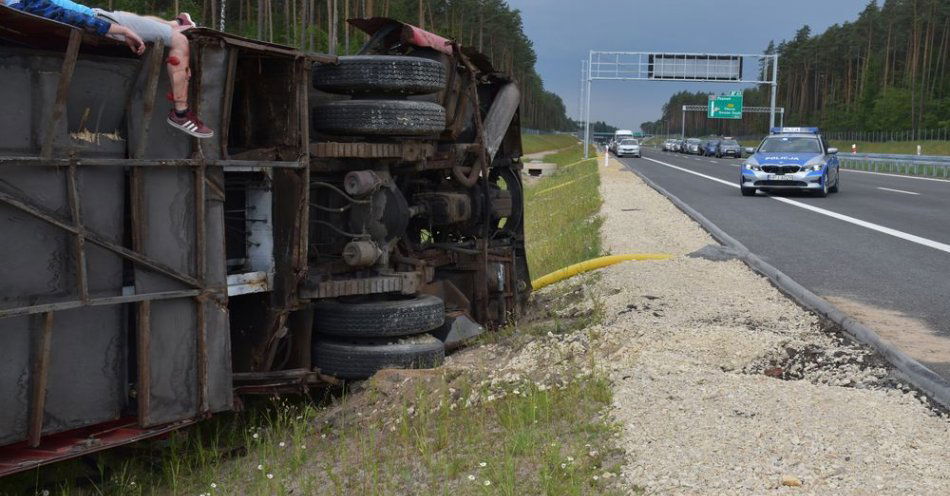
(379, 118)
(747, 191)
(380, 75)
(361, 359)
(834, 189)
(378, 319)
(823, 192)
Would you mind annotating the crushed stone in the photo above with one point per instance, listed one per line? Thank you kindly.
(724, 386)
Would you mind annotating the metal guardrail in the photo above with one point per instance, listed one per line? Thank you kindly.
(911, 165)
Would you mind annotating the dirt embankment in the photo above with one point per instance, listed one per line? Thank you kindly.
(724, 386)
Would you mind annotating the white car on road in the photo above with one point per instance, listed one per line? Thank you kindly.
(628, 147)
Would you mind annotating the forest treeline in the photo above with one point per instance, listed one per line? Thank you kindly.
(885, 71)
(319, 25)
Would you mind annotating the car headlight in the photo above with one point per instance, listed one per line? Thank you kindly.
(813, 167)
(752, 166)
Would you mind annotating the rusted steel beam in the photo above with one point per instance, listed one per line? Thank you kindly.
(202, 327)
(97, 302)
(99, 240)
(151, 162)
(40, 378)
(79, 241)
(154, 64)
(143, 336)
(303, 208)
(227, 99)
(62, 91)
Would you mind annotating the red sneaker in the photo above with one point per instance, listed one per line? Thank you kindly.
(190, 124)
(185, 20)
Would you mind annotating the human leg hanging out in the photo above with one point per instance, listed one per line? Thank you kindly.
(179, 72)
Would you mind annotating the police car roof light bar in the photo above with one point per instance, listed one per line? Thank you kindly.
(784, 130)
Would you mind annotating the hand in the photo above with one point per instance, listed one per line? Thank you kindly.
(134, 42)
(131, 39)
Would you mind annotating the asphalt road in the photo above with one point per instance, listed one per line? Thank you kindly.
(880, 247)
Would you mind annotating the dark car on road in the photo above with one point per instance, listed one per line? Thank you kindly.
(729, 148)
(709, 148)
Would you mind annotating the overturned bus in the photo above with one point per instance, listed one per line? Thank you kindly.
(351, 213)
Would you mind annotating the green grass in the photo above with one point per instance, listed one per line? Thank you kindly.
(562, 225)
(534, 143)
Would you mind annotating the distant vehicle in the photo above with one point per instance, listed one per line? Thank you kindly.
(676, 146)
(709, 148)
(791, 158)
(628, 147)
(668, 145)
(619, 135)
(691, 147)
(729, 148)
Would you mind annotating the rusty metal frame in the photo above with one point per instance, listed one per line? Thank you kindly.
(146, 162)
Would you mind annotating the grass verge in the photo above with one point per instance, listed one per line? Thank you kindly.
(534, 143)
(562, 225)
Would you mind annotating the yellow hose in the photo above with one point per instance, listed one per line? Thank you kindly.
(592, 264)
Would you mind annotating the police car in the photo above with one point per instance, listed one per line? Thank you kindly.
(791, 158)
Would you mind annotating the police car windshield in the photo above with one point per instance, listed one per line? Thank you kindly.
(787, 144)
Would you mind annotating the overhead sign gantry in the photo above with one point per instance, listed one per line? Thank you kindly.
(684, 67)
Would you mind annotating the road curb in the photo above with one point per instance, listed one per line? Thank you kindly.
(907, 367)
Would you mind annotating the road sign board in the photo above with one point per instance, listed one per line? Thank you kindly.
(725, 107)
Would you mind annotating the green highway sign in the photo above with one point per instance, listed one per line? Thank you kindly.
(725, 107)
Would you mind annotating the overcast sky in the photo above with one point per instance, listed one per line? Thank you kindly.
(563, 31)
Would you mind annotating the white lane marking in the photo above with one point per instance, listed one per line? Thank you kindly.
(858, 222)
(898, 191)
(898, 175)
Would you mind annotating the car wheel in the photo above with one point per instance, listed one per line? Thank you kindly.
(747, 191)
(379, 118)
(378, 318)
(359, 359)
(823, 192)
(380, 75)
(834, 189)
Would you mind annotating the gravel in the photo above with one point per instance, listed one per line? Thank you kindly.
(724, 386)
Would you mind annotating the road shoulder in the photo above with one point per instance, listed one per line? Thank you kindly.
(723, 385)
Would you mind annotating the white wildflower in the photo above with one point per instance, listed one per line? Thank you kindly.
(260, 467)
(482, 464)
(213, 485)
(487, 482)
(270, 476)
(471, 477)
(281, 444)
